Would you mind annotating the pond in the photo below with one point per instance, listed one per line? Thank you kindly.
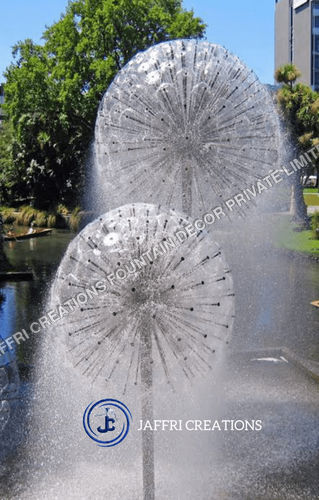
(273, 300)
(25, 300)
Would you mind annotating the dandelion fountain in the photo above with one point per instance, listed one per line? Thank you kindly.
(164, 318)
(185, 124)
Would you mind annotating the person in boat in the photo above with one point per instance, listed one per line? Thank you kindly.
(31, 230)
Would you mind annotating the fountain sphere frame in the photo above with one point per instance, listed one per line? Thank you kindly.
(171, 313)
(179, 294)
(185, 124)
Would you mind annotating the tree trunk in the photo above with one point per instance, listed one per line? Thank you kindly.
(298, 208)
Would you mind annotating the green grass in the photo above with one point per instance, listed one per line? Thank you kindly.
(298, 241)
(311, 200)
(311, 190)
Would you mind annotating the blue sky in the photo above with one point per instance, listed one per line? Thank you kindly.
(245, 27)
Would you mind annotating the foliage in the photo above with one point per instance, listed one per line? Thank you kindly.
(299, 105)
(287, 74)
(75, 219)
(41, 219)
(52, 91)
(26, 215)
(62, 209)
(8, 177)
(8, 215)
(315, 225)
(52, 220)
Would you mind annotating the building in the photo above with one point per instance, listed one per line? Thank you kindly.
(1, 101)
(297, 37)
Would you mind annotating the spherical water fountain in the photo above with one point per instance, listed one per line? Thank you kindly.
(165, 308)
(185, 124)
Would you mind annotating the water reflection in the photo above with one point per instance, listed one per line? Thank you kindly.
(24, 301)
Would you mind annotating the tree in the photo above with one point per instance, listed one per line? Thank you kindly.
(7, 177)
(53, 91)
(300, 107)
(287, 74)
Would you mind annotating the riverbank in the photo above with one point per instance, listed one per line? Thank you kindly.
(295, 241)
(59, 217)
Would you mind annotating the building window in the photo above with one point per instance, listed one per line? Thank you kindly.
(315, 45)
(316, 79)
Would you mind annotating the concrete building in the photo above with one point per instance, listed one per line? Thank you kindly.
(297, 37)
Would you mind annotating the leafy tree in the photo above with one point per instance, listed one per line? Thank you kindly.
(53, 91)
(300, 107)
(6, 170)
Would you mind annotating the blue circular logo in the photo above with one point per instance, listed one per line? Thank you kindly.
(107, 422)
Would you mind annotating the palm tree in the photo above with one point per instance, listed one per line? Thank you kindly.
(291, 103)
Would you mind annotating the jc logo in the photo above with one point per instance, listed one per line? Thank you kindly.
(108, 427)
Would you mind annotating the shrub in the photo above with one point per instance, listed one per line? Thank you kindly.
(75, 219)
(8, 215)
(41, 219)
(52, 220)
(62, 209)
(26, 215)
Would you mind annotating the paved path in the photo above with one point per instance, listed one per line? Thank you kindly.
(282, 461)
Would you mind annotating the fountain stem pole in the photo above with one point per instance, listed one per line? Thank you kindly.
(187, 188)
(147, 414)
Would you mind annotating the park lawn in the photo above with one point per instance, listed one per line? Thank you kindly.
(311, 200)
(311, 190)
(297, 241)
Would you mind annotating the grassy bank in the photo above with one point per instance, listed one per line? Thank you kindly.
(311, 199)
(61, 217)
(288, 236)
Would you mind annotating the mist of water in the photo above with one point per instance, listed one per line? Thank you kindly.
(183, 125)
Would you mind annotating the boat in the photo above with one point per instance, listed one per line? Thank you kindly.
(27, 236)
